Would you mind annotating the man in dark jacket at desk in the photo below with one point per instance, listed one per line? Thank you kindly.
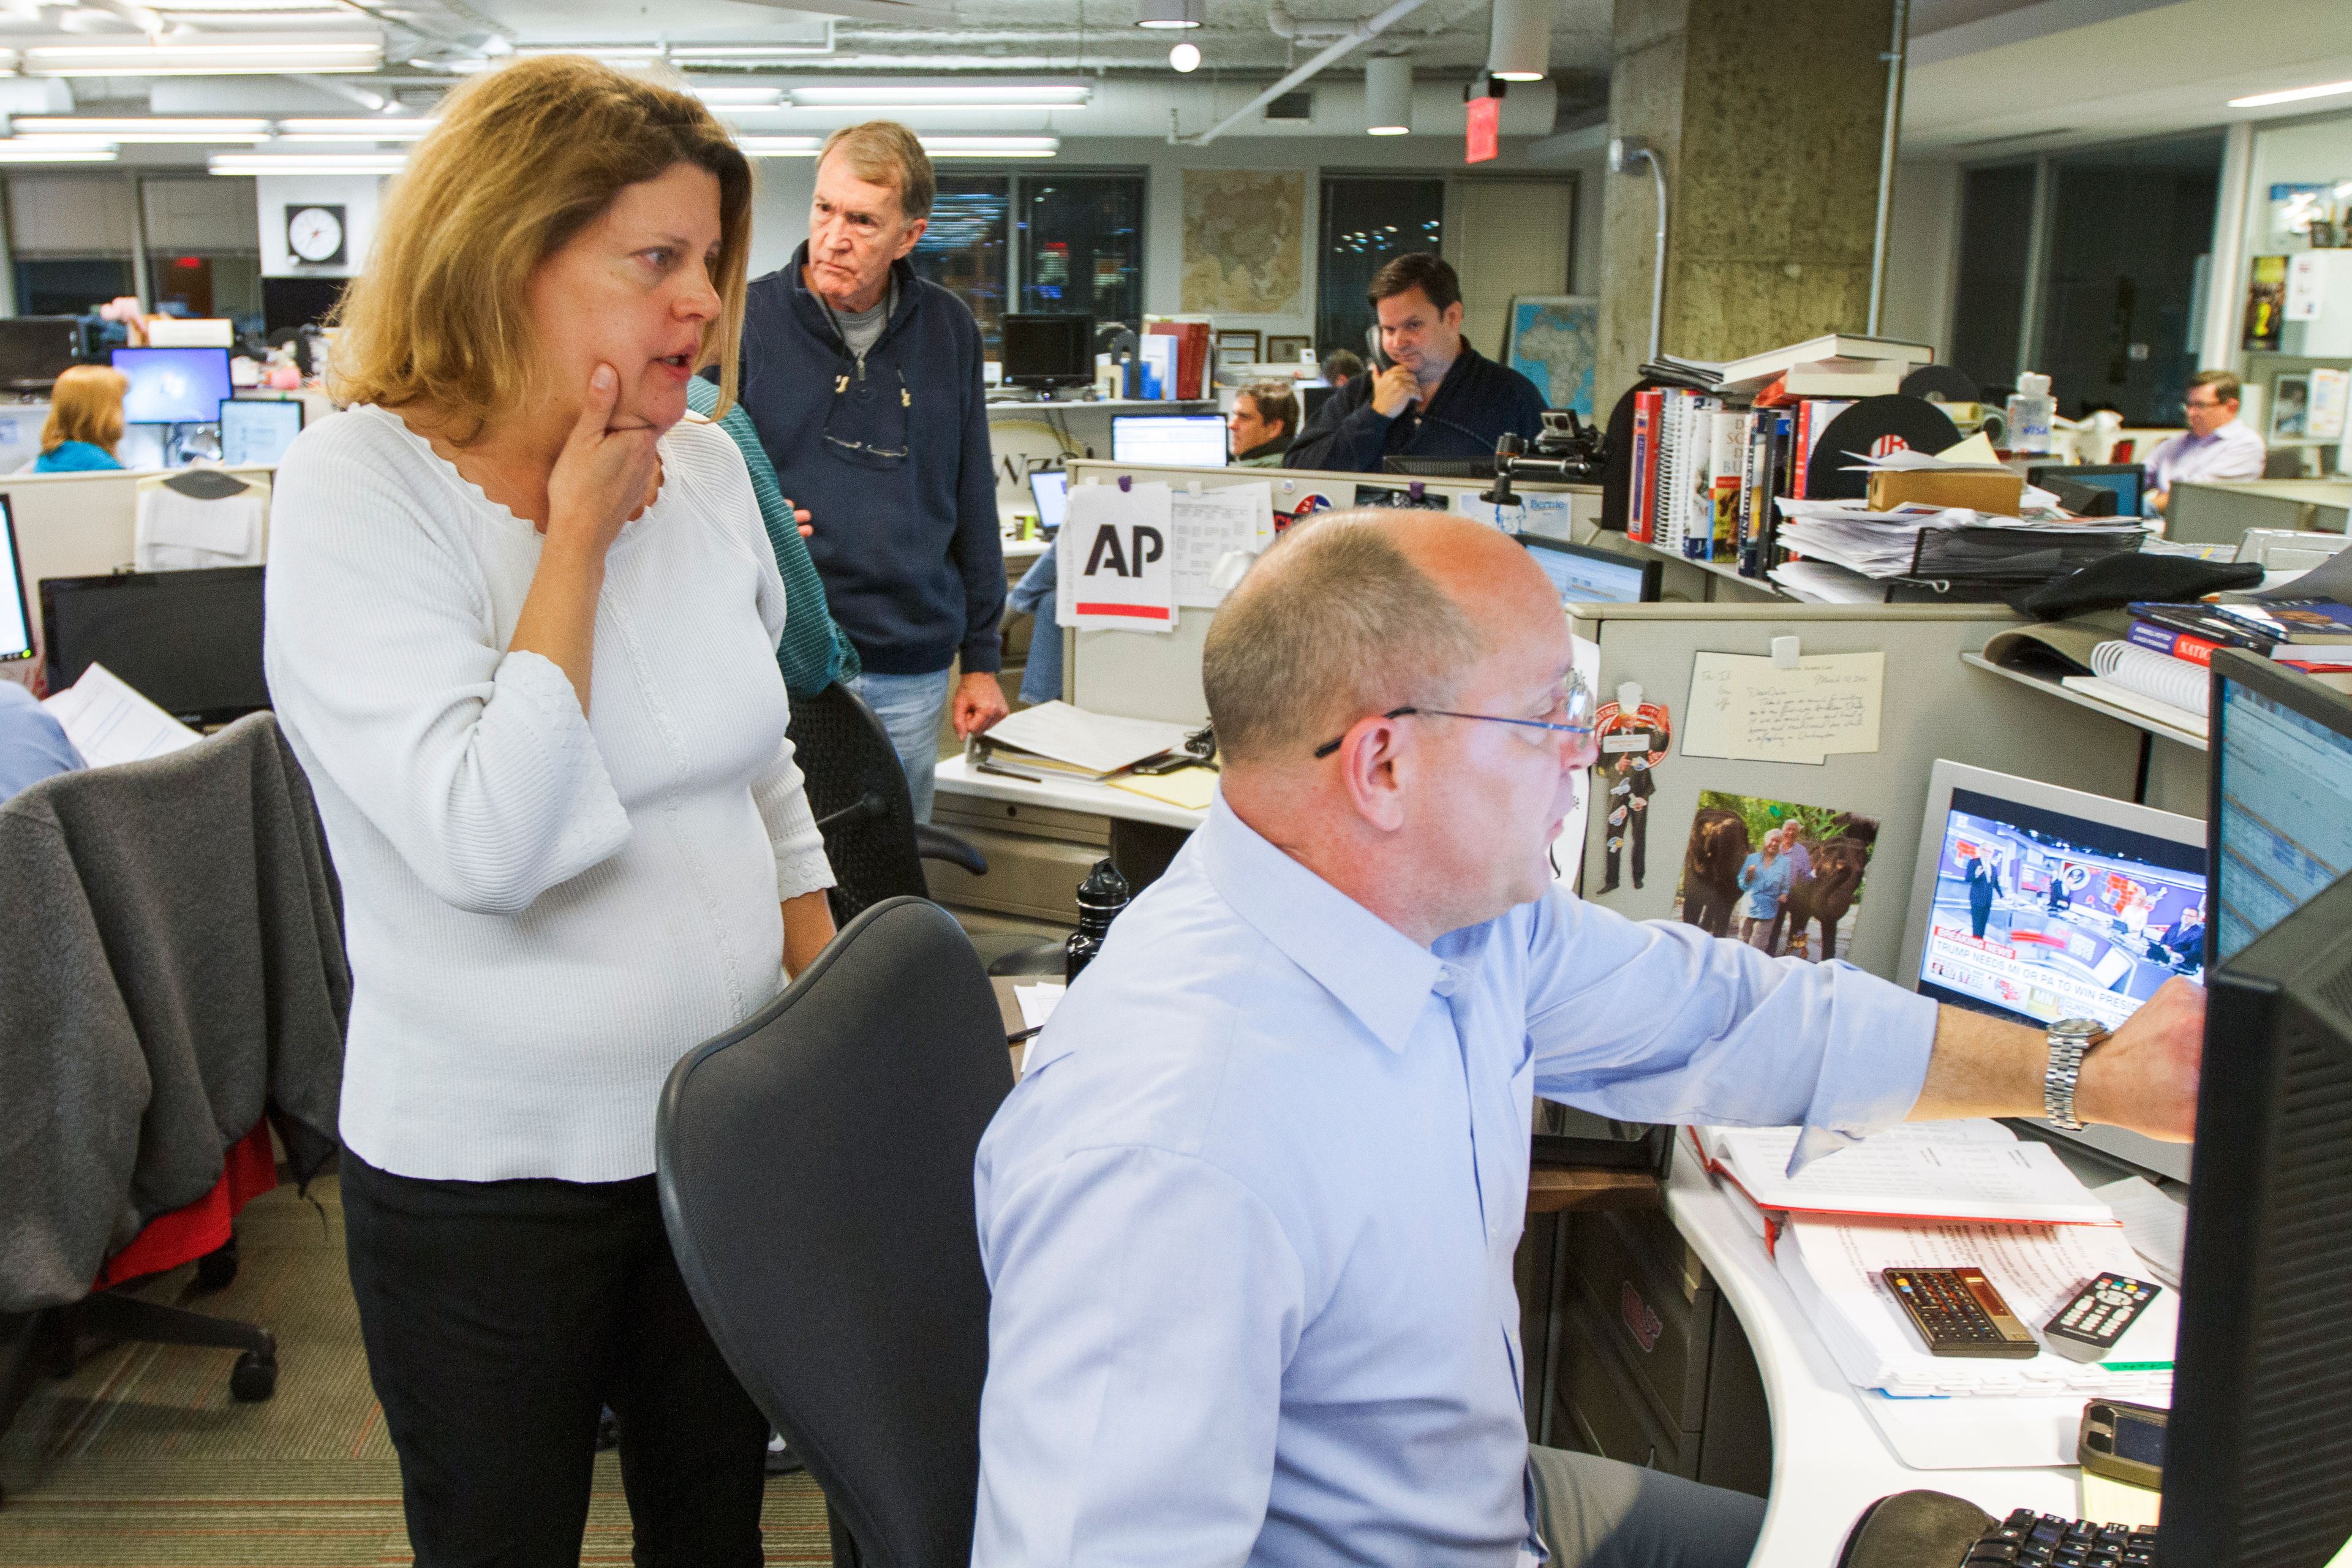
(1437, 398)
(864, 383)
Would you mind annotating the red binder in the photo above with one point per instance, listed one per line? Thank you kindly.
(1191, 355)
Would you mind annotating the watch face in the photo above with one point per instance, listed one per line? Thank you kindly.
(2084, 1027)
(315, 234)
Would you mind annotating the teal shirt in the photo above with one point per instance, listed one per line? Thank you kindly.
(76, 458)
(815, 652)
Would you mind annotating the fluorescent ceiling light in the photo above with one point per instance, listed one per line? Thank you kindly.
(740, 97)
(250, 55)
(974, 96)
(2292, 95)
(991, 146)
(151, 130)
(307, 162)
(741, 52)
(779, 146)
(407, 128)
(50, 150)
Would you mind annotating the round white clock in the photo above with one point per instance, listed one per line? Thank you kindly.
(314, 234)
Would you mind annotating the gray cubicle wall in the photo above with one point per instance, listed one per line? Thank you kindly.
(1157, 675)
(1932, 706)
(2219, 513)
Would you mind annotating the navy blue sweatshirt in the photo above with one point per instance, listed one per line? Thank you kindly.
(1477, 402)
(892, 464)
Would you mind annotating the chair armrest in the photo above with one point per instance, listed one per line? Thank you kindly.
(938, 844)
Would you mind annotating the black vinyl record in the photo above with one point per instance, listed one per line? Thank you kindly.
(1856, 433)
(1942, 381)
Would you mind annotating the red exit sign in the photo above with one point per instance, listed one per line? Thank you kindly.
(1486, 130)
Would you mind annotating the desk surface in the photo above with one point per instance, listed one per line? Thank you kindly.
(1829, 1459)
(957, 776)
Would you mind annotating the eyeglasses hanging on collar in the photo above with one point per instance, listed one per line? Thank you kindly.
(867, 424)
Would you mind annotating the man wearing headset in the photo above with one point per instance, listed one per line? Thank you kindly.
(1436, 396)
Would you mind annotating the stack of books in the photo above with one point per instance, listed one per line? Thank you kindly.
(2160, 667)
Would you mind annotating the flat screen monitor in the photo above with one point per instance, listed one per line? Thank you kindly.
(291, 302)
(1047, 352)
(2033, 902)
(36, 350)
(15, 616)
(173, 387)
(1585, 575)
(190, 642)
(1052, 488)
(2280, 752)
(2128, 480)
(257, 430)
(1184, 440)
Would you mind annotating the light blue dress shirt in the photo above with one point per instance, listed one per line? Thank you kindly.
(2232, 452)
(1249, 1217)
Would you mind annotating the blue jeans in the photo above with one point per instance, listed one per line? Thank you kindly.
(910, 707)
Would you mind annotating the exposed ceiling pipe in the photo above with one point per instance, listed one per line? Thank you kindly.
(1362, 32)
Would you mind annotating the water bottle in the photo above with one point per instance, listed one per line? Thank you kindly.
(1101, 897)
(2032, 410)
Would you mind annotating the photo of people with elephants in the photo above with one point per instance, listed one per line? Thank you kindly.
(1776, 875)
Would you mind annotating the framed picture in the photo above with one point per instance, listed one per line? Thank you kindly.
(2290, 407)
(1287, 349)
(1554, 340)
(1238, 346)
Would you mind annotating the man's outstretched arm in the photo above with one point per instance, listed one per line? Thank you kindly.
(2144, 1077)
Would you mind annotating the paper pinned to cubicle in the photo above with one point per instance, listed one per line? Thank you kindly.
(1746, 708)
(1211, 526)
(1116, 559)
(109, 721)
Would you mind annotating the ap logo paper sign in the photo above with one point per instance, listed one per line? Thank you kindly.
(1117, 560)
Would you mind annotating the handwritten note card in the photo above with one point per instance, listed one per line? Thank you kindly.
(1751, 710)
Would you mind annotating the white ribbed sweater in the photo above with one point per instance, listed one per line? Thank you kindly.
(543, 911)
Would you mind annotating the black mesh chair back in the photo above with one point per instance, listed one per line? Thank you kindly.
(815, 1171)
(858, 792)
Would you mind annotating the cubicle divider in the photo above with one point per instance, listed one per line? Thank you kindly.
(1705, 812)
(81, 525)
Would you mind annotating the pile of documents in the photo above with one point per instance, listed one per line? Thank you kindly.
(1055, 740)
(1941, 1194)
(109, 723)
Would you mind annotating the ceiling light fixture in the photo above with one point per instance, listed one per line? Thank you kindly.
(992, 146)
(307, 162)
(779, 146)
(740, 97)
(1388, 95)
(1185, 57)
(245, 55)
(1520, 46)
(2292, 95)
(903, 98)
(410, 129)
(47, 149)
(1171, 13)
(146, 130)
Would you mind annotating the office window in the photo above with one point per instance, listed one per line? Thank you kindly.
(221, 285)
(963, 250)
(69, 285)
(1366, 221)
(1082, 245)
(1995, 228)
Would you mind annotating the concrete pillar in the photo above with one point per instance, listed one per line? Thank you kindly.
(1766, 118)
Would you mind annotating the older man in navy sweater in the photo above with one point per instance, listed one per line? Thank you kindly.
(1438, 397)
(864, 383)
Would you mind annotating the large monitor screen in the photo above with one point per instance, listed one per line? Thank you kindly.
(1048, 350)
(2283, 803)
(1183, 440)
(15, 620)
(189, 641)
(2038, 914)
(257, 430)
(1585, 575)
(174, 387)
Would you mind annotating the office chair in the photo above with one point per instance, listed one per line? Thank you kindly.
(858, 792)
(823, 1222)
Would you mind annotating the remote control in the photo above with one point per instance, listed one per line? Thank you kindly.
(1958, 1312)
(2087, 1327)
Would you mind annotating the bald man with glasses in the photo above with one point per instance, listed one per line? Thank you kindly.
(1249, 1217)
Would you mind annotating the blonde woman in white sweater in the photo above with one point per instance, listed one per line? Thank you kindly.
(522, 632)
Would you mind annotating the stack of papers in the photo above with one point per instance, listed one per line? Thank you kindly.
(109, 723)
(1975, 1170)
(1056, 739)
(1887, 544)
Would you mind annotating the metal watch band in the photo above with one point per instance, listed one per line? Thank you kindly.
(2068, 1041)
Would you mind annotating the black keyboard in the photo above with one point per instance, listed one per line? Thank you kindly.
(2027, 1537)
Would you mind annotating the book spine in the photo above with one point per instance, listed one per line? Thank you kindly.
(1641, 485)
(1755, 495)
(2178, 644)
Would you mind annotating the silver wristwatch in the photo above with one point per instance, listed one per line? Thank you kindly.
(2069, 1038)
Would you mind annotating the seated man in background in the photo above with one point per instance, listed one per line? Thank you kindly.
(1438, 397)
(1249, 1220)
(1263, 423)
(1341, 366)
(2216, 445)
(32, 744)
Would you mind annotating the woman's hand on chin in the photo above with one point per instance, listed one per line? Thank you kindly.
(603, 476)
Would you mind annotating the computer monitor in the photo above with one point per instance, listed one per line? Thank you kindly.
(188, 641)
(173, 387)
(36, 350)
(1052, 488)
(2258, 1457)
(2033, 903)
(291, 302)
(15, 614)
(1047, 352)
(1585, 575)
(257, 430)
(2280, 748)
(2128, 480)
(1184, 440)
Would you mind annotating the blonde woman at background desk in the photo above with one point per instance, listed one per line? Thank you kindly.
(522, 631)
(85, 421)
